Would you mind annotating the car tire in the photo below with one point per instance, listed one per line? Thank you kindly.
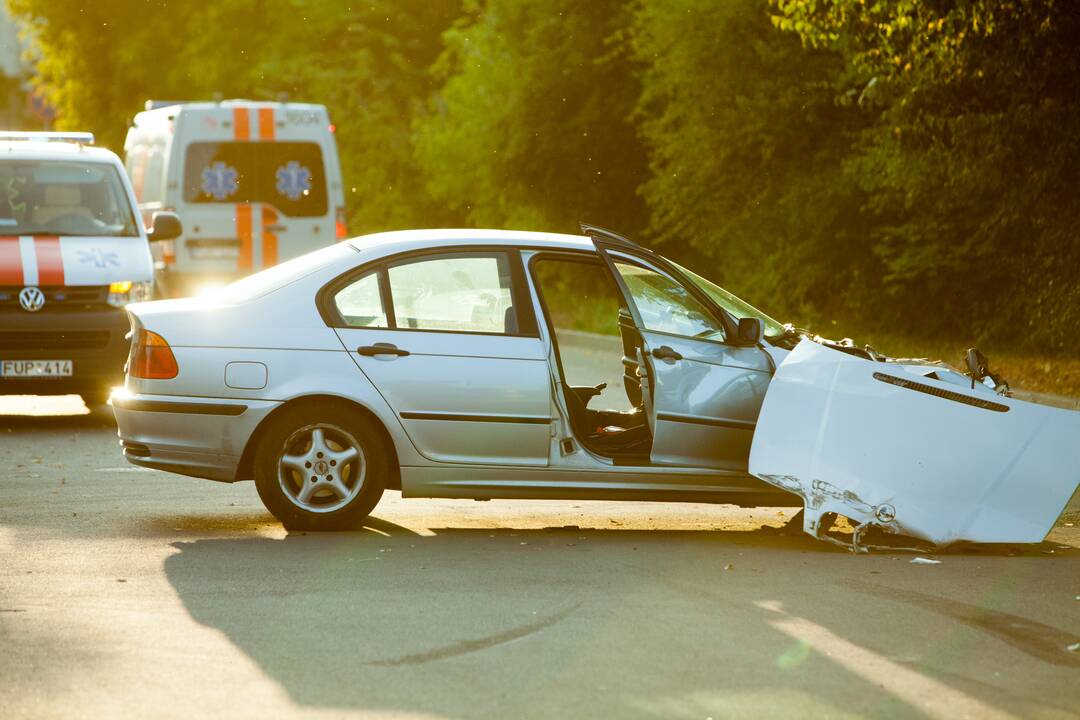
(321, 467)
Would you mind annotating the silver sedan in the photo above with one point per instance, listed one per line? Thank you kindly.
(455, 363)
(490, 364)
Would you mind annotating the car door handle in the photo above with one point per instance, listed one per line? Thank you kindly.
(665, 353)
(381, 349)
(275, 228)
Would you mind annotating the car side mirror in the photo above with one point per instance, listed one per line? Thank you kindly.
(165, 226)
(750, 331)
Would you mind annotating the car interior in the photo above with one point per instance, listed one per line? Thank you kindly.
(607, 417)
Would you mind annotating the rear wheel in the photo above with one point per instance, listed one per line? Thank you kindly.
(321, 467)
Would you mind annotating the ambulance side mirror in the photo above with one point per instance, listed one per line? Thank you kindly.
(165, 226)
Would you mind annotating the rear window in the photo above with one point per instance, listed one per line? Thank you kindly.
(63, 197)
(287, 175)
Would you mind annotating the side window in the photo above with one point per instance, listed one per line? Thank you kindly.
(360, 304)
(466, 292)
(666, 306)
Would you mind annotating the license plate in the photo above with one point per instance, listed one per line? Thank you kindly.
(35, 368)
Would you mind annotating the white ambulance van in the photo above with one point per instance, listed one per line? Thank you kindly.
(254, 183)
(73, 253)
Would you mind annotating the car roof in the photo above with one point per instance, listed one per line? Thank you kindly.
(52, 150)
(386, 243)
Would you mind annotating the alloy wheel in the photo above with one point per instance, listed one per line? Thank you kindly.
(321, 468)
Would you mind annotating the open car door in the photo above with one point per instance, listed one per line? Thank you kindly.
(700, 390)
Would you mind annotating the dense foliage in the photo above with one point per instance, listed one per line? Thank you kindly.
(900, 163)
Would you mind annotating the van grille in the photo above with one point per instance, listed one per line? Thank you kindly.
(58, 299)
(48, 341)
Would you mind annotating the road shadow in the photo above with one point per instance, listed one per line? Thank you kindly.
(483, 622)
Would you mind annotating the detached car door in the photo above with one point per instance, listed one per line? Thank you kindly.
(450, 341)
(701, 393)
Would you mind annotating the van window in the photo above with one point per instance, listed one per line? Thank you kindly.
(287, 175)
(47, 197)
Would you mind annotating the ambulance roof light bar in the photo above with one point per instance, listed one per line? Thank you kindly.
(82, 138)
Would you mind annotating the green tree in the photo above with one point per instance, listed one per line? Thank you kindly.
(746, 145)
(973, 113)
(371, 68)
(98, 63)
(532, 126)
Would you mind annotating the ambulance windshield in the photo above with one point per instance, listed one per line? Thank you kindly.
(63, 197)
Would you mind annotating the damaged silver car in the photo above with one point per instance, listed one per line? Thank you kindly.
(491, 364)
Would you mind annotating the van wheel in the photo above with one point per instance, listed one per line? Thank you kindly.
(320, 468)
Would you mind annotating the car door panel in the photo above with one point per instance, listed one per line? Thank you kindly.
(467, 399)
(708, 398)
(704, 394)
(440, 335)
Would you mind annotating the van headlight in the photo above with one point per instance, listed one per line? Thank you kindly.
(125, 291)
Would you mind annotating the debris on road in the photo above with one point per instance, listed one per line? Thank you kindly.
(924, 561)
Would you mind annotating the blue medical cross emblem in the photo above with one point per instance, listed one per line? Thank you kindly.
(293, 180)
(99, 258)
(220, 181)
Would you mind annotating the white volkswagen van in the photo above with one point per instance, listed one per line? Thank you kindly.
(73, 253)
(254, 183)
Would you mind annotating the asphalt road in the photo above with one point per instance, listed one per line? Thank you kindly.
(131, 593)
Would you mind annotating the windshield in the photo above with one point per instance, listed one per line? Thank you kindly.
(288, 175)
(63, 197)
(737, 307)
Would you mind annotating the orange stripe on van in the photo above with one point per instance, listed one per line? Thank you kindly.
(243, 232)
(49, 261)
(241, 124)
(269, 239)
(11, 268)
(266, 123)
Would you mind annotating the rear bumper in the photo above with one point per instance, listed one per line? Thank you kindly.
(200, 437)
(95, 341)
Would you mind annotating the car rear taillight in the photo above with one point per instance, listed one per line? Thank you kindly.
(340, 229)
(152, 358)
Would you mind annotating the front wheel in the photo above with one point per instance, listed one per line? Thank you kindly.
(320, 468)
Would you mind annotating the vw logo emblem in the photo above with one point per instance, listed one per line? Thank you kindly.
(31, 299)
